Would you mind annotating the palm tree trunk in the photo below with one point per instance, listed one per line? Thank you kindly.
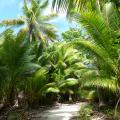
(101, 103)
(30, 33)
(116, 106)
(70, 98)
(98, 5)
(118, 101)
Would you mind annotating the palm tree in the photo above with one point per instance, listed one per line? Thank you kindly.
(16, 64)
(36, 24)
(57, 75)
(103, 39)
(104, 46)
(63, 61)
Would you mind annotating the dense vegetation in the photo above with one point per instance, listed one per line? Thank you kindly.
(36, 68)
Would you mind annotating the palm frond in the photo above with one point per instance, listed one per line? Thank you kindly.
(96, 27)
(69, 5)
(98, 51)
(48, 17)
(103, 83)
(34, 5)
(44, 4)
(26, 9)
(13, 22)
(111, 15)
(69, 82)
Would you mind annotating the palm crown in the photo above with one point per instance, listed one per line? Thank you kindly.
(36, 24)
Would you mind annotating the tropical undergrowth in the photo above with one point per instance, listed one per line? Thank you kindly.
(36, 68)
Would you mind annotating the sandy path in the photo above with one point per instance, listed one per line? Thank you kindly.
(61, 112)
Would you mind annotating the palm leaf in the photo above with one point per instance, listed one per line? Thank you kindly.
(13, 22)
(69, 5)
(107, 84)
(99, 52)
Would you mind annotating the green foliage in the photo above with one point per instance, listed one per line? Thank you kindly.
(101, 45)
(111, 15)
(84, 5)
(14, 116)
(73, 5)
(16, 63)
(59, 58)
(85, 112)
(86, 60)
(71, 34)
(88, 94)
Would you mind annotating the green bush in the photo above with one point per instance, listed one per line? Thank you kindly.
(89, 95)
(85, 112)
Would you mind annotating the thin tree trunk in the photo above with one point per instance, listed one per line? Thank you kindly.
(101, 103)
(115, 112)
(98, 5)
(30, 32)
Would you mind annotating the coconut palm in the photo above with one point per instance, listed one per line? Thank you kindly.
(37, 24)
